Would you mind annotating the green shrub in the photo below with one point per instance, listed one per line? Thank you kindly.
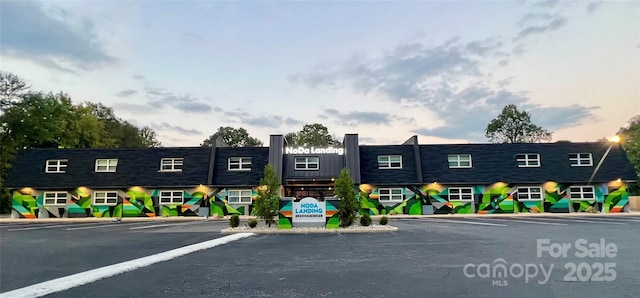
(253, 223)
(234, 221)
(384, 220)
(590, 209)
(365, 220)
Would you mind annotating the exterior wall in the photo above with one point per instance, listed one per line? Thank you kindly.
(131, 202)
(496, 198)
(369, 203)
(219, 204)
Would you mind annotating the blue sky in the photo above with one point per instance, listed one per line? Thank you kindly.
(385, 70)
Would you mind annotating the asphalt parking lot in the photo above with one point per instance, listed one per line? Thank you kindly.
(426, 257)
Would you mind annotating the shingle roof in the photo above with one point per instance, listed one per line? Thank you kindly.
(136, 167)
(369, 165)
(223, 177)
(497, 162)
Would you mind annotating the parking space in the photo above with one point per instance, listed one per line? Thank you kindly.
(36, 252)
(426, 257)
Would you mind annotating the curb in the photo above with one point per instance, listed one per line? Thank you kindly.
(357, 230)
(246, 217)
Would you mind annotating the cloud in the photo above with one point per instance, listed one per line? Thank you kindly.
(553, 23)
(450, 80)
(139, 77)
(593, 6)
(164, 126)
(546, 3)
(134, 108)
(160, 97)
(554, 118)
(126, 93)
(53, 41)
(359, 118)
(271, 121)
(264, 120)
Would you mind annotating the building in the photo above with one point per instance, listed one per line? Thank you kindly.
(394, 179)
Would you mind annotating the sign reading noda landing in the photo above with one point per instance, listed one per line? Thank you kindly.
(308, 212)
(314, 150)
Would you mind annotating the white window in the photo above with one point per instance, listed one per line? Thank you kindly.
(533, 193)
(106, 165)
(105, 198)
(581, 159)
(390, 195)
(171, 164)
(582, 192)
(460, 194)
(55, 198)
(459, 161)
(239, 196)
(171, 197)
(239, 164)
(307, 163)
(390, 162)
(56, 166)
(529, 160)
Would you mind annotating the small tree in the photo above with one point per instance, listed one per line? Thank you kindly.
(513, 126)
(348, 205)
(268, 203)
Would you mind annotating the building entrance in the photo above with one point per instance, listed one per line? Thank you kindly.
(319, 192)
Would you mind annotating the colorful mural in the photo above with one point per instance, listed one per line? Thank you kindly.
(492, 199)
(369, 203)
(133, 202)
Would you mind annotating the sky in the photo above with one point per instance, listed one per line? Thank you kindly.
(386, 70)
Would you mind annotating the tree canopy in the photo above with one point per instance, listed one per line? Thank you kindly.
(234, 137)
(630, 138)
(314, 134)
(47, 120)
(11, 88)
(513, 126)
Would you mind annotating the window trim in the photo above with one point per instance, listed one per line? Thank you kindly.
(106, 197)
(108, 165)
(527, 160)
(175, 161)
(240, 196)
(240, 163)
(529, 193)
(59, 167)
(579, 160)
(306, 163)
(388, 164)
(56, 198)
(570, 192)
(171, 198)
(460, 194)
(458, 161)
(391, 195)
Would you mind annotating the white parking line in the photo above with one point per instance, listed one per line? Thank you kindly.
(40, 227)
(530, 221)
(585, 221)
(105, 225)
(162, 225)
(465, 222)
(78, 279)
